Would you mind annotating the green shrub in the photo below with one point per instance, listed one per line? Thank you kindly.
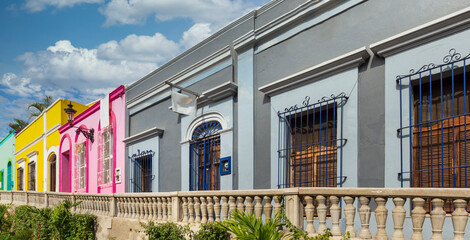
(163, 231)
(83, 227)
(247, 227)
(59, 223)
(211, 231)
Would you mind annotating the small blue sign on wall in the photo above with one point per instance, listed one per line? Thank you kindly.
(226, 166)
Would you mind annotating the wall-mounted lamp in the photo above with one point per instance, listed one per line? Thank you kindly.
(88, 133)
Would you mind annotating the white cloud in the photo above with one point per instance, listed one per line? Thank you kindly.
(19, 85)
(217, 12)
(156, 48)
(195, 34)
(63, 65)
(39, 5)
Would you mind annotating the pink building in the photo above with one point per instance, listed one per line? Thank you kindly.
(95, 166)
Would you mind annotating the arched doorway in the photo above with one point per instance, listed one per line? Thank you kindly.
(52, 173)
(9, 177)
(205, 157)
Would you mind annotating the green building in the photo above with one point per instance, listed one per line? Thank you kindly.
(7, 151)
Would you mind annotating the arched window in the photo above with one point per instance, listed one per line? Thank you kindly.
(52, 173)
(204, 157)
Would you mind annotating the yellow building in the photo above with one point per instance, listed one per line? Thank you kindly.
(37, 146)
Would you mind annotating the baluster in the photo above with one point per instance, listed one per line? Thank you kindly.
(309, 212)
(197, 207)
(350, 213)
(277, 205)
(224, 208)
(191, 209)
(126, 207)
(249, 205)
(149, 208)
(364, 214)
(165, 209)
(241, 204)
(437, 218)
(203, 210)
(417, 217)
(398, 214)
(118, 206)
(210, 209)
(258, 207)
(154, 209)
(134, 207)
(321, 212)
(459, 219)
(146, 210)
(139, 205)
(381, 214)
(217, 209)
(160, 209)
(335, 211)
(268, 207)
(233, 205)
(170, 207)
(101, 205)
(185, 210)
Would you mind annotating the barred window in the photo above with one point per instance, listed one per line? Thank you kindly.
(106, 158)
(20, 179)
(81, 165)
(434, 124)
(32, 176)
(310, 152)
(204, 157)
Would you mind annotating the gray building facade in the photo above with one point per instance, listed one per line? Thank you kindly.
(307, 93)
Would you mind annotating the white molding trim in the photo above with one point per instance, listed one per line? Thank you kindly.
(322, 70)
(438, 28)
(21, 160)
(206, 117)
(145, 134)
(217, 93)
(32, 154)
(38, 139)
(47, 109)
(206, 64)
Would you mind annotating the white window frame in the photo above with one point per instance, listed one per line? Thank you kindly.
(107, 155)
(81, 165)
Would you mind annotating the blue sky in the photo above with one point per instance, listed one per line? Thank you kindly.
(82, 49)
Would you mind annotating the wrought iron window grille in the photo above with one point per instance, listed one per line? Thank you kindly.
(311, 142)
(434, 99)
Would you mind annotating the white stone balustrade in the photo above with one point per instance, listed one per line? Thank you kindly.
(312, 209)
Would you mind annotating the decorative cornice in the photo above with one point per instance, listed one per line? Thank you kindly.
(322, 70)
(219, 92)
(145, 134)
(118, 92)
(42, 113)
(438, 28)
(21, 160)
(189, 72)
(32, 154)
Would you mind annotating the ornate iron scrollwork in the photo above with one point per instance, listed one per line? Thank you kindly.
(306, 102)
(453, 56)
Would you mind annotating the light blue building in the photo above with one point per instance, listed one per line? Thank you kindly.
(7, 158)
